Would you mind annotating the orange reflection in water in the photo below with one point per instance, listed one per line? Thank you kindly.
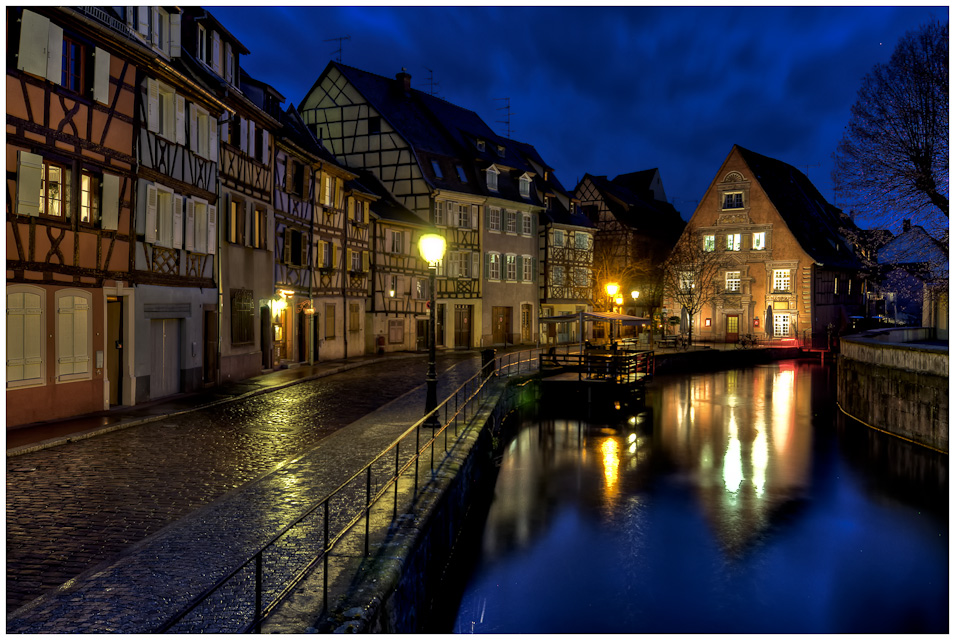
(744, 438)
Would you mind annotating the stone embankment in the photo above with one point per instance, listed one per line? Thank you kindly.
(897, 381)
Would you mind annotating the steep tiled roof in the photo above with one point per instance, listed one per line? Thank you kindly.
(812, 220)
(386, 206)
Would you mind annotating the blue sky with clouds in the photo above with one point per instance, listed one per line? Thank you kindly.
(613, 89)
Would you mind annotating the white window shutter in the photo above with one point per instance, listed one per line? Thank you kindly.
(24, 336)
(193, 128)
(211, 230)
(29, 181)
(143, 13)
(152, 205)
(229, 62)
(475, 264)
(109, 203)
(175, 35)
(265, 146)
(249, 212)
(270, 231)
(244, 134)
(216, 58)
(154, 34)
(101, 76)
(34, 43)
(177, 222)
(190, 224)
(213, 140)
(250, 142)
(474, 216)
(54, 55)
(81, 318)
(152, 105)
(72, 329)
(180, 120)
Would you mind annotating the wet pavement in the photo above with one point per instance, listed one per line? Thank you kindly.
(138, 517)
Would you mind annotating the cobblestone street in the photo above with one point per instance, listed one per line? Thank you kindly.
(73, 506)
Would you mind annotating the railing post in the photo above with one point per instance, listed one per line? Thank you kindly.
(325, 562)
(417, 456)
(258, 592)
(367, 506)
(394, 513)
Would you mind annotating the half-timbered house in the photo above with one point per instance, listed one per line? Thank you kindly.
(787, 272)
(447, 166)
(72, 95)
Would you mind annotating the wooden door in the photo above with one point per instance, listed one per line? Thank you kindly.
(210, 352)
(462, 326)
(164, 369)
(500, 325)
(732, 328)
(114, 348)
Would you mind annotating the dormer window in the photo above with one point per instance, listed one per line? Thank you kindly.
(463, 177)
(492, 178)
(480, 145)
(525, 186)
(500, 150)
(437, 170)
(201, 49)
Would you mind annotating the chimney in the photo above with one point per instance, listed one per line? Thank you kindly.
(404, 78)
(906, 226)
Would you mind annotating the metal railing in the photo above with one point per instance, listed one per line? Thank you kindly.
(251, 591)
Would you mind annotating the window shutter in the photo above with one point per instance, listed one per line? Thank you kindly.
(334, 256)
(475, 214)
(265, 147)
(193, 128)
(520, 269)
(54, 54)
(349, 259)
(101, 76)
(24, 337)
(487, 265)
(289, 172)
(229, 58)
(175, 35)
(177, 222)
(34, 43)
(250, 140)
(320, 262)
(152, 205)
(248, 211)
(143, 13)
(216, 61)
(306, 241)
(287, 248)
(190, 224)
(154, 33)
(72, 329)
(351, 208)
(180, 120)
(365, 261)
(475, 265)
(269, 230)
(152, 112)
(212, 238)
(29, 182)
(213, 139)
(109, 203)
(533, 269)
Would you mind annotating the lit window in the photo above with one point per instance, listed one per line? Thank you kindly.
(526, 224)
(511, 265)
(528, 269)
(733, 200)
(733, 241)
(259, 228)
(89, 198)
(53, 184)
(780, 325)
(781, 280)
(494, 219)
(494, 266)
(732, 280)
(709, 243)
(236, 221)
(759, 241)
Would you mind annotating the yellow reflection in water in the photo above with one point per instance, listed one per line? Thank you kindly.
(611, 457)
(733, 459)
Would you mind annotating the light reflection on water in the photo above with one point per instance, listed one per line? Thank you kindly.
(726, 506)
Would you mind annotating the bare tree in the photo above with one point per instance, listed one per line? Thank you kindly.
(608, 266)
(892, 161)
(691, 274)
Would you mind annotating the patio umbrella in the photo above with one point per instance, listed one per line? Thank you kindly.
(769, 320)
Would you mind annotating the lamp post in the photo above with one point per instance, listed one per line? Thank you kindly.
(612, 289)
(431, 247)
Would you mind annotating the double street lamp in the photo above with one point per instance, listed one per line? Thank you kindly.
(431, 246)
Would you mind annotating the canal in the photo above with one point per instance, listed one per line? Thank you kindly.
(739, 501)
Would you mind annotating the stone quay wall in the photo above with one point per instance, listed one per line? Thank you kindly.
(892, 384)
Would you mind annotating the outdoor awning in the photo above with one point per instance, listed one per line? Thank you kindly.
(598, 316)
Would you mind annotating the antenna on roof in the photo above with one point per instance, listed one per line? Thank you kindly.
(432, 84)
(806, 167)
(507, 107)
(340, 40)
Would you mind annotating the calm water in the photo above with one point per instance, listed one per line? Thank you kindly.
(737, 501)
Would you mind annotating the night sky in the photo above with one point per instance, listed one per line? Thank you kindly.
(609, 90)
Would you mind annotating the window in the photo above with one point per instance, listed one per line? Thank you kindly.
(360, 211)
(835, 285)
(480, 145)
(393, 288)
(73, 335)
(329, 321)
(526, 224)
(89, 198)
(781, 325)
(493, 266)
(327, 255)
(709, 243)
(558, 237)
(437, 170)
(201, 49)
(260, 219)
(354, 316)
(732, 281)
(492, 178)
(236, 221)
(849, 287)
(459, 264)
(510, 263)
(440, 207)
(165, 112)
(357, 264)
(733, 241)
(494, 219)
(328, 193)
(581, 241)
(73, 65)
(25, 335)
(54, 190)
(396, 241)
(243, 316)
(202, 133)
(464, 216)
(528, 269)
(759, 241)
(525, 186)
(374, 126)
(733, 200)
(164, 218)
(461, 175)
(781, 280)
(396, 331)
(557, 276)
(261, 146)
(421, 289)
(511, 222)
(200, 228)
(687, 280)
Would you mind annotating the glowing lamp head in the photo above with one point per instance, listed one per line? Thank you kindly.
(634, 294)
(618, 300)
(612, 289)
(431, 247)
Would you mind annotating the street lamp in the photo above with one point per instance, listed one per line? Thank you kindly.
(612, 289)
(431, 247)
